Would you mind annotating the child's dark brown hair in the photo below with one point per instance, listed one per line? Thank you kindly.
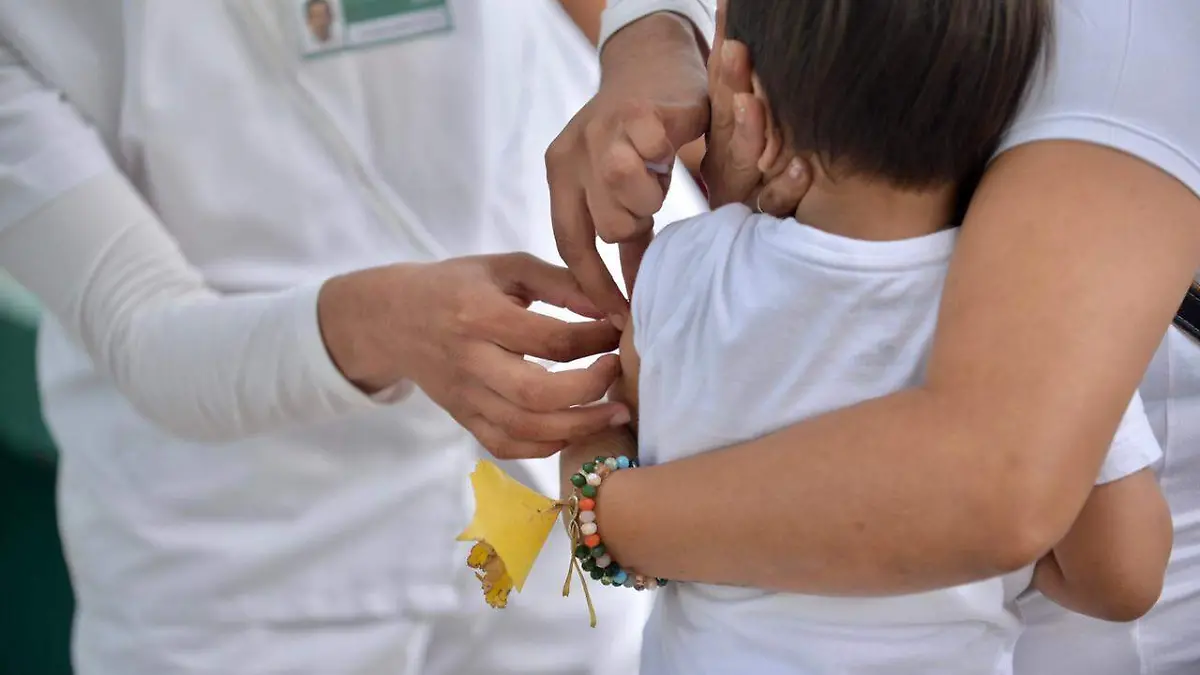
(913, 92)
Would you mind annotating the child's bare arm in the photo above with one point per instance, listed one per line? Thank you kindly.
(612, 442)
(626, 387)
(1111, 563)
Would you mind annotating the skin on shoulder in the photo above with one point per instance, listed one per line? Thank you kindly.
(627, 383)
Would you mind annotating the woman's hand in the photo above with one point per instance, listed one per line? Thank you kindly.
(460, 329)
(609, 169)
(651, 102)
(737, 166)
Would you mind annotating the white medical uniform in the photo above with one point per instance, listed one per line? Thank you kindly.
(732, 350)
(228, 503)
(1126, 75)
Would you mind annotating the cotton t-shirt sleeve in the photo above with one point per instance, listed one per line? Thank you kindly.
(663, 281)
(77, 235)
(621, 13)
(1134, 446)
(1123, 74)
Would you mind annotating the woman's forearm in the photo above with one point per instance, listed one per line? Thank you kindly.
(200, 364)
(876, 499)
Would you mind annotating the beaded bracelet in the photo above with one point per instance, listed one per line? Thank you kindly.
(589, 549)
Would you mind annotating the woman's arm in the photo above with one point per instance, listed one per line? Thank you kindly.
(198, 364)
(214, 366)
(1112, 562)
(1072, 256)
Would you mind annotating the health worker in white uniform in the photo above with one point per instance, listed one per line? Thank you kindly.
(247, 224)
(1078, 247)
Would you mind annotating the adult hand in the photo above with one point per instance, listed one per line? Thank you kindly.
(609, 169)
(746, 161)
(459, 329)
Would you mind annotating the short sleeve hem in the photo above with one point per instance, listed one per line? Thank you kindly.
(1134, 447)
(621, 13)
(641, 304)
(1113, 134)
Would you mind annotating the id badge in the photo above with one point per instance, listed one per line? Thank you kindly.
(329, 26)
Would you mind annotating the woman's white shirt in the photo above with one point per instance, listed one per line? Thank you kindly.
(1126, 75)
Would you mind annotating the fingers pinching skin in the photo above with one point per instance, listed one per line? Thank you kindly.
(531, 386)
(503, 446)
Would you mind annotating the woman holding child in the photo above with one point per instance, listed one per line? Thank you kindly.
(1080, 241)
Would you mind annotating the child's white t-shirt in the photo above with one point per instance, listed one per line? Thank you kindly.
(745, 324)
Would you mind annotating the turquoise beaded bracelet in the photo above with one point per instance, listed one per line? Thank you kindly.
(589, 549)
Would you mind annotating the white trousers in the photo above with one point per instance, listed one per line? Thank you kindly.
(539, 633)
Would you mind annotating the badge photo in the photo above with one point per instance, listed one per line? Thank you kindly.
(321, 25)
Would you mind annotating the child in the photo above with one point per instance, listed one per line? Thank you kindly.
(743, 323)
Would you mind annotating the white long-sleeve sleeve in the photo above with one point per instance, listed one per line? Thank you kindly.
(79, 237)
(621, 13)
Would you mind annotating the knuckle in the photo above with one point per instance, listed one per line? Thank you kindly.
(572, 248)
(468, 319)
(520, 424)
(588, 426)
(560, 152)
(617, 230)
(618, 167)
(561, 345)
(531, 393)
(521, 259)
(504, 449)
(634, 110)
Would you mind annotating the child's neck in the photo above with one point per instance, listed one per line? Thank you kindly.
(860, 208)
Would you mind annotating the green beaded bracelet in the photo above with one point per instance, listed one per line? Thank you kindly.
(591, 552)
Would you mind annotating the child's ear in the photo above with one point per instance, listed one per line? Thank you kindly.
(773, 145)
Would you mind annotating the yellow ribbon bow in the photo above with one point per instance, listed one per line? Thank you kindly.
(510, 527)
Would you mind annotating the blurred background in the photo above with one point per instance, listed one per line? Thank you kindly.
(35, 594)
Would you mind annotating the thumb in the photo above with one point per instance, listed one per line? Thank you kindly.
(685, 123)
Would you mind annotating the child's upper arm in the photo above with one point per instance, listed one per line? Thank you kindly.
(630, 365)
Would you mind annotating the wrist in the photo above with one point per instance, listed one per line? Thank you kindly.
(660, 38)
(362, 342)
(621, 522)
(589, 533)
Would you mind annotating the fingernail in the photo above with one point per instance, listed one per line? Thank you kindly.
(739, 109)
(795, 169)
(661, 168)
(726, 55)
(617, 321)
(621, 418)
